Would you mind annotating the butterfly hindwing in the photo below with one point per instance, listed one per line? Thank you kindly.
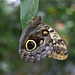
(34, 44)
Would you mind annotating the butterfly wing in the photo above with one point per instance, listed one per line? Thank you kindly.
(39, 41)
(34, 43)
(60, 50)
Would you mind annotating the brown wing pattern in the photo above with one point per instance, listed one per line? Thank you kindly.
(35, 45)
(60, 50)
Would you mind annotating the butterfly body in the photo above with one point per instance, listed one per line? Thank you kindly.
(39, 41)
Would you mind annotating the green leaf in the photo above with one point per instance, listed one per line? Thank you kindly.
(28, 9)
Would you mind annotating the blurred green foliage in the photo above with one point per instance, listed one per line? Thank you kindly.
(60, 14)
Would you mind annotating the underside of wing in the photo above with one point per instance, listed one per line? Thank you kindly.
(60, 50)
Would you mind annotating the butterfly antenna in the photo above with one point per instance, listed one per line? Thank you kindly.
(44, 16)
(32, 14)
(25, 21)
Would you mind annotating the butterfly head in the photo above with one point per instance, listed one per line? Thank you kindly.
(35, 21)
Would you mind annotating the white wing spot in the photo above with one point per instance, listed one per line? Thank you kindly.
(49, 29)
(45, 25)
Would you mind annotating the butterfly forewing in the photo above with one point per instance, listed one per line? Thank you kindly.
(60, 50)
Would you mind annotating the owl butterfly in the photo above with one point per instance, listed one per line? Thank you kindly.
(39, 41)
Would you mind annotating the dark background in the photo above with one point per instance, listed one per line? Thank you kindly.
(60, 14)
